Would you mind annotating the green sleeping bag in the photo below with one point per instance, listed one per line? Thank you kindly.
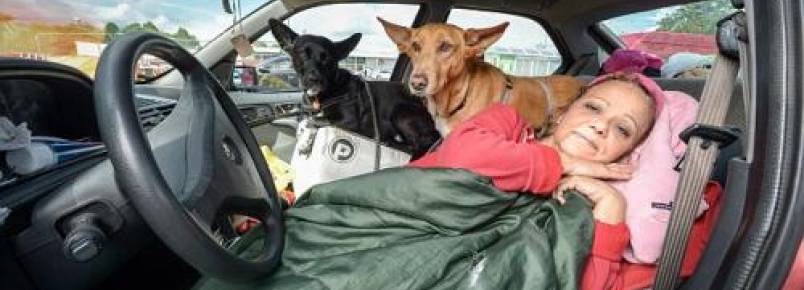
(409, 228)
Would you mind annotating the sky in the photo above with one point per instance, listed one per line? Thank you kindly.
(637, 22)
(205, 19)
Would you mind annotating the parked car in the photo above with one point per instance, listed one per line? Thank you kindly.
(150, 219)
(383, 74)
(277, 74)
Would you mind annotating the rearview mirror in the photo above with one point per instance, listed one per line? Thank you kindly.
(227, 7)
(244, 76)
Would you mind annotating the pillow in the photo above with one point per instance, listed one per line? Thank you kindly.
(650, 192)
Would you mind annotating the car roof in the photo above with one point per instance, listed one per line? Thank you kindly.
(585, 11)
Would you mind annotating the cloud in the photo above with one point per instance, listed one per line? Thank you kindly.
(31, 10)
(207, 28)
(202, 19)
(329, 21)
(115, 12)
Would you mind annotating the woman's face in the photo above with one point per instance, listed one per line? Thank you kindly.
(605, 123)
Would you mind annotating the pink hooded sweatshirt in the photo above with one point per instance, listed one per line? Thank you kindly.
(648, 211)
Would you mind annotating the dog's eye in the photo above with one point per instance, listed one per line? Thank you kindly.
(308, 52)
(322, 56)
(416, 47)
(444, 47)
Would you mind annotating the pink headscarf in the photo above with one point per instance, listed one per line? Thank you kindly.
(631, 61)
(650, 192)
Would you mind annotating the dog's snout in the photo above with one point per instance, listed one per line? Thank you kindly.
(418, 81)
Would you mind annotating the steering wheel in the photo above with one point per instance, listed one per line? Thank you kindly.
(195, 170)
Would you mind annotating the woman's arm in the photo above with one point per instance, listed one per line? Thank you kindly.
(611, 235)
(489, 144)
(605, 263)
(606, 270)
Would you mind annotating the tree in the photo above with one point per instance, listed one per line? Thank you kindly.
(697, 18)
(110, 32)
(133, 27)
(182, 36)
(187, 40)
(150, 27)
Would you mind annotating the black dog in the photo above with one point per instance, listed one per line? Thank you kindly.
(343, 97)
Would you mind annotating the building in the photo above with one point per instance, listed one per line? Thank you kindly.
(664, 43)
(536, 61)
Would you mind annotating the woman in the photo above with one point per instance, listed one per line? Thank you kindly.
(608, 121)
(451, 229)
(604, 124)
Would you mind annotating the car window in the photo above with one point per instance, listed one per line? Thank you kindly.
(373, 58)
(683, 35)
(524, 50)
(75, 33)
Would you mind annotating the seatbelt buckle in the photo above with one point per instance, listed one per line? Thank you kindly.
(722, 135)
(731, 30)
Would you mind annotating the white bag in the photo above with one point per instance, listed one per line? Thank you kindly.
(328, 153)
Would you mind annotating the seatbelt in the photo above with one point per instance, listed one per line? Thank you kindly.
(376, 125)
(700, 156)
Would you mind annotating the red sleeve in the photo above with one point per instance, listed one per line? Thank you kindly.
(603, 272)
(490, 144)
(604, 265)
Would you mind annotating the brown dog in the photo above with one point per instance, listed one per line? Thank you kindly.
(457, 84)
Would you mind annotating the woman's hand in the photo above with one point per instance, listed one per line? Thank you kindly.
(574, 166)
(580, 167)
(609, 203)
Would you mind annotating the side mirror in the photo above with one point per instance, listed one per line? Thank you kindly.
(244, 76)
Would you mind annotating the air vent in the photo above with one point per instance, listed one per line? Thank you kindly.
(153, 110)
(151, 117)
(256, 115)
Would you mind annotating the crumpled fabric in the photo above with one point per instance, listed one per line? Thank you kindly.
(631, 61)
(682, 61)
(13, 137)
(411, 228)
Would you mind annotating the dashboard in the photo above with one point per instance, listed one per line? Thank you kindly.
(58, 101)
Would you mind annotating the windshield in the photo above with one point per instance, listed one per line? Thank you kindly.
(75, 32)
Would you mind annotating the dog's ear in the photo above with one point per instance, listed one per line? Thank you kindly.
(398, 34)
(478, 40)
(344, 47)
(283, 34)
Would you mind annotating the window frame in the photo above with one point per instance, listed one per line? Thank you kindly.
(605, 37)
